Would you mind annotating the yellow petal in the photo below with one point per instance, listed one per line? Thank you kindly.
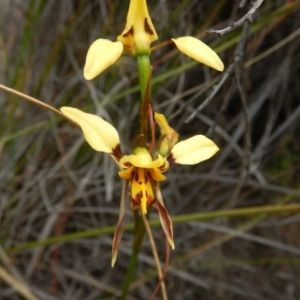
(193, 150)
(141, 161)
(126, 174)
(199, 51)
(141, 189)
(169, 136)
(156, 174)
(101, 54)
(139, 31)
(138, 10)
(138, 161)
(100, 135)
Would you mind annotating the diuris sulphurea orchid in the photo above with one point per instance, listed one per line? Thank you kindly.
(142, 170)
(136, 39)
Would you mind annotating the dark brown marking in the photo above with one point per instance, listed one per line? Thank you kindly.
(116, 152)
(171, 159)
(136, 199)
(150, 200)
(162, 166)
(129, 32)
(147, 27)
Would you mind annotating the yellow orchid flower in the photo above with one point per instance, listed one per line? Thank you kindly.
(142, 171)
(136, 38)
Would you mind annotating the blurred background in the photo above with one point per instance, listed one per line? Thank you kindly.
(52, 184)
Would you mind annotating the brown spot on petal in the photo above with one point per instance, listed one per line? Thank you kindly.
(162, 167)
(136, 177)
(146, 177)
(147, 27)
(117, 152)
(150, 200)
(136, 199)
(128, 33)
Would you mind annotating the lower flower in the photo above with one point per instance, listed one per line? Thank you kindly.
(142, 171)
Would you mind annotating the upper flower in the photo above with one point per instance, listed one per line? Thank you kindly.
(136, 38)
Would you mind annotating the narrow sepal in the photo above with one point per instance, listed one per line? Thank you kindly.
(164, 217)
(169, 136)
(120, 226)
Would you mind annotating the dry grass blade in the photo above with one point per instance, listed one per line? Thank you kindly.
(17, 285)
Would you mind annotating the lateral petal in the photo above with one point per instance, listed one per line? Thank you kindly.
(101, 54)
(141, 159)
(164, 217)
(193, 150)
(138, 161)
(156, 174)
(199, 51)
(126, 174)
(169, 136)
(120, 227)
(100, 135)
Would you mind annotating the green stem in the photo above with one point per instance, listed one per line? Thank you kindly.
(139, 232)
(144, 70)
(181, 219)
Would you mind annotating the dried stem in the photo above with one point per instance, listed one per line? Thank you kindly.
(17, 285)
(165, 270)
(238, 23)
(155, 256)
(35, 101)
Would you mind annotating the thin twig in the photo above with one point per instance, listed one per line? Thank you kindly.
(31, 99)
(165, 270)
(155, 256)
(17, 285)
(225, 76)
(238, 23)
(238, 57)
(204, 216)
(35, 101)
